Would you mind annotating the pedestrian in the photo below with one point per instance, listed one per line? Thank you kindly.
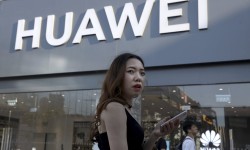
(115, 128)
(161, 144)
(190, 128)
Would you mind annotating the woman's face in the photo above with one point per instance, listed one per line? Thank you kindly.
(134, 77)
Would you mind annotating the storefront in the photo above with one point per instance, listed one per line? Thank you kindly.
(54, 54)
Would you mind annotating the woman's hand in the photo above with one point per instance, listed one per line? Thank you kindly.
(160, 131)
(166, 129)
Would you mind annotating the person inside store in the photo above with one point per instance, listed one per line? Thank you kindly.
(114, 127)
(190, 128)
(161, 144)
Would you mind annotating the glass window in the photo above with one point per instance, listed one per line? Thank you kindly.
(62, 119)
(47, 120)
(222, 111)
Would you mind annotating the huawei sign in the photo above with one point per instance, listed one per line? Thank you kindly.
(210, 140)
(116, 27)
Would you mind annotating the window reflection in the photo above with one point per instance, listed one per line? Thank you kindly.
(47, 120)
(62, 119)
(221, 109)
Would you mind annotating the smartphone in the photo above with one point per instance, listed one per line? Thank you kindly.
(181, 116)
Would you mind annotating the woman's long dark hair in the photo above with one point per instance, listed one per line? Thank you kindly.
(112, 87)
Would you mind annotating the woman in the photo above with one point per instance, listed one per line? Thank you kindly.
(115, 128)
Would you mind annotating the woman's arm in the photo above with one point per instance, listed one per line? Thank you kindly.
(158, 132)
(115, 119)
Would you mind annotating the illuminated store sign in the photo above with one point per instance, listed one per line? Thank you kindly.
(210, 140)
(223, 98)
(128, 13)
(12, 102)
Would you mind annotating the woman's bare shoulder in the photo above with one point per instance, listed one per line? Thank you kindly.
(114, 112)
(115, 105)
(113, 109)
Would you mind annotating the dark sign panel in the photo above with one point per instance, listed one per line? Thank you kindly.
(47, 37)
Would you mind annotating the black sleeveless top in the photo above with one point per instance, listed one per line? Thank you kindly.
(135, 135)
